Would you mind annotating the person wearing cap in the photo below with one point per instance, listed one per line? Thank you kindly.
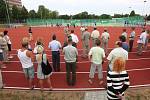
(39, 56)
(26, 58)
(95, 35)
(118, 51)
(96, 56)
(70, 55)
(105, 37)
(86, 42)
(55, 47)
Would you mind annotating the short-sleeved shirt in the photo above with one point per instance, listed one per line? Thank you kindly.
(95, 34)
(97, 54)
(142, 38)
(70, 53)
(115, 53)
(54, 45)
(124, 34)
(86, 37)
(132, 35)
(105, 36)
(74, 38)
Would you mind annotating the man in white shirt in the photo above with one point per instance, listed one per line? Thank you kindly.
(124, 33)
(95, 35)
(131, 39)
(115, 53)
(75, 39)
(141, 42)
(96, 56)
(55, 46)
(105, 37)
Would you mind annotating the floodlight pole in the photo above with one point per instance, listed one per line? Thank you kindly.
(8, 17)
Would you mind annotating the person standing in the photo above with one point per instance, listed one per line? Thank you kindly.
(124, 33)
(115, 53)
(141, 42)
(125, 45)
(96, 56)
(26, 58)
(131, 39)
(117, 80)
(95, 35)
(86, 42)
(75, 39)
(105, 37)
(6, 37)
(30, 34)
(66, 31)
(39, 56)
(55, 47)
(70, 56)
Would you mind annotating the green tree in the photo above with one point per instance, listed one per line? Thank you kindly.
(32, 14)
(132, 13)
(148, 17)
(16, 12)
(105, 16)
(3, 12)
(54, 14)
(23, 14)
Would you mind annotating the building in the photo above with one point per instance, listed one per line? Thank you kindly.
(14, 2)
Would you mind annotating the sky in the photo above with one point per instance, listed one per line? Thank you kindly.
(72, 7)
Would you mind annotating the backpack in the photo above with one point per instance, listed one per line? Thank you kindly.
(46, 68)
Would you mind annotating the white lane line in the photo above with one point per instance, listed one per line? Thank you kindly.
(130, 70)
(85, 61)
(72, 89)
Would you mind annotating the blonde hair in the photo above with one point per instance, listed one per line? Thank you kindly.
(25, 42)
(1, 34)
(119, 65)
(40, 49)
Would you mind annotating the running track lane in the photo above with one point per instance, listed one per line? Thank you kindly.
(138, 77)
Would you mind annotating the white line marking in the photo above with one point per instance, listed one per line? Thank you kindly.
(130, 70)
(72, 89)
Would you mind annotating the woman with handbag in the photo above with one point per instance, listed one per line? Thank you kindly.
(42, 57)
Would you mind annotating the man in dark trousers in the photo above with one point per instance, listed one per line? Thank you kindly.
(70, 56)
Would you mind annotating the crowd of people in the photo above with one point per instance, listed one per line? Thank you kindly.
(117, 76)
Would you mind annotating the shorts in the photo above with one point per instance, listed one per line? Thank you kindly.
(29, 72)
(9, 47)
(1, 56)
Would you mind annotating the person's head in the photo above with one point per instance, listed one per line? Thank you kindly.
(40, 49)
(39, 41)
(95, 28)
(5, 32)
(25, 42)
(105, 29)
(119, 65)
(70, 40)
(118, 44)
(124, 30)
(54, 37)
(98, 42)
(132, 28)
(122, 38)
(72, 31)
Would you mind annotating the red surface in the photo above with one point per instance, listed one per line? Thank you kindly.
(17, 79)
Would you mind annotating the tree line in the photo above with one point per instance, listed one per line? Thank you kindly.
(21, 14)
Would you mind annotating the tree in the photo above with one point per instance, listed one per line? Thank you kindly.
(32, 14)
(54, 14)
(16, 12)
(148, 17)
(3, 12)
(132, 13)
(23, 13)
(105, 16)
(64, 17)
